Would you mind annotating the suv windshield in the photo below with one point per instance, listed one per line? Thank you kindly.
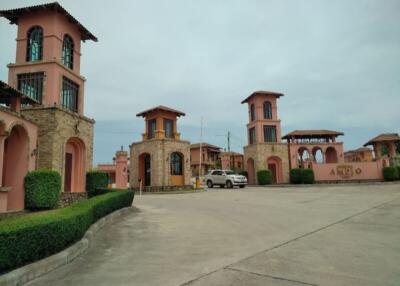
(230, 173)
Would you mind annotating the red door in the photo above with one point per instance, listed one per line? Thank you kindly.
(68, 172)
(272, 168)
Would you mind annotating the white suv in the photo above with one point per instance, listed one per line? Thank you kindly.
(226, 178)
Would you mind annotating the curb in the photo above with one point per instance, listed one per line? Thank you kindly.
(36, 269)
(326, 185)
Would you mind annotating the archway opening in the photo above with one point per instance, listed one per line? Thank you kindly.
(74, 167)
(331, 155)
(303, 157)
(318, 155)
(144, 175)
(274, 164)
(177, 167)
(15, 166)
(251, 172)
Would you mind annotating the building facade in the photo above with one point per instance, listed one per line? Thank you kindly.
(265, 149)
(161, 160)
(118, 171)
(231, 161)
(47, 69)
(18, 147)
(363, 154)
(210, 155)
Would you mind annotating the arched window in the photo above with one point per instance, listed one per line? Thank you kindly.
(252, 113)
(34, 50)
(67, 57)
(267, 110)
(176, 164)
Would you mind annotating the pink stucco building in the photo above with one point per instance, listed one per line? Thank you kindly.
(46, 72)
(18, 147)
(209, 158)
(118, 170)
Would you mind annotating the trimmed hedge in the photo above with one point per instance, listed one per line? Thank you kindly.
(296, 176)
(264, 177)
(35, 236)
(307, 176)
(42, 189)
(96, 180)
(101, 191)
(390, 173)
(398, 172)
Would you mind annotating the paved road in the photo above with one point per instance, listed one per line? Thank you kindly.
(257, 236)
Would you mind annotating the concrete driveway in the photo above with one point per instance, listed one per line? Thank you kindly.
(320, 235)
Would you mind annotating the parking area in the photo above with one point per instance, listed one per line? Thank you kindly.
(319, 235)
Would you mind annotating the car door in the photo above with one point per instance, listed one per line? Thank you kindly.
(219, 178)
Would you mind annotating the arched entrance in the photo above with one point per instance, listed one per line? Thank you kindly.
(318, 155)
(251, 172)
(145, 169)
(274, 164)
(177, 167)
(74, 167)
(331, 155)
(15, 166)
(303, 157)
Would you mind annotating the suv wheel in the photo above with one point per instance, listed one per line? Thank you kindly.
(210, 184)
(229, 184)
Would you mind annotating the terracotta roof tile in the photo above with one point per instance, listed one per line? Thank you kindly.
(383, 138)
(14, 14)
(312, 133)
(161, 107)
(262, 92)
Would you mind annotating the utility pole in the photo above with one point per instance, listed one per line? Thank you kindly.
(229, 141)
(201, 144)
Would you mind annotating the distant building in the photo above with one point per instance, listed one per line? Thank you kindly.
(161, 159)
(118, 171)
(209, 158)
(363, 154)
(231, 161)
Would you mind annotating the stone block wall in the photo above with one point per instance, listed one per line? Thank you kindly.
(262, 151)
(160, 151)
(55, 127)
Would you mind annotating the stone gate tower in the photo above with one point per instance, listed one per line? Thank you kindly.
(265, 149)
(47, 69)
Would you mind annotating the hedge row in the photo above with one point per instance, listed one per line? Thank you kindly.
(96, 180)
(42, 189)
(34, 236)
(391, 173)
(302, 176)
(264, 177)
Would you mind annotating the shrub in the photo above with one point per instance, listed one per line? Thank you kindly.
(398, 172)
(42, 189)
(307, 176)
(390, 173)
(101, 191)
(295, 176)
(96, 180)
(264, 177)
(28, 238)
(244, 173)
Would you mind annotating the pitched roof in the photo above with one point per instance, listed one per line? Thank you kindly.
(262, 92)
(7, 92)
(231, 153)
(204, 145)
(14, 14)
(383, 138)
(160, 107)
(312, 133)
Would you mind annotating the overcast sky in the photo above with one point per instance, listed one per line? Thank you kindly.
(337, 62)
